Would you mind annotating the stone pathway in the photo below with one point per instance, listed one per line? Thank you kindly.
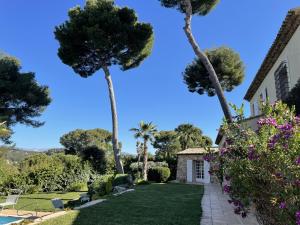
(217, 211)
(89, 204)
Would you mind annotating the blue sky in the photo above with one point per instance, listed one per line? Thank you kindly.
(154, 91)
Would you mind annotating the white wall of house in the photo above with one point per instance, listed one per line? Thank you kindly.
(291, 54)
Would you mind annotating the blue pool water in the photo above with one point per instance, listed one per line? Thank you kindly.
(8, 219)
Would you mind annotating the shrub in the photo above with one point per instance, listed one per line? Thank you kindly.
(56, 172)
(122, 179)
(101, 186)
(6, 170)
(32, 189)
(78, 186)
(151, 164)
(142, 182)
(159, 174)
(263, 166)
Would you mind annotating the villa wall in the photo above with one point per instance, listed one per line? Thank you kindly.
(291, 54)
(182, 166)
(181, 174)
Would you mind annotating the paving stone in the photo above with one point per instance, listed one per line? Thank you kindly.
(217, 211)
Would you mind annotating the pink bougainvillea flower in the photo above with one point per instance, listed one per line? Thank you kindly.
(298, 160)
(298, 217)
(227, 188)
(267, 121)
(252, 155)
(282, 205)
(297, 119)
(223, 151)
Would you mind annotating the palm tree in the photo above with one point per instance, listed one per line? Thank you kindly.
(146, 131)
(139, 151)
(188, 135)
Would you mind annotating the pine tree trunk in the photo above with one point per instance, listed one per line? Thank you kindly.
(115, 141)
(145, 167)
(204, 59)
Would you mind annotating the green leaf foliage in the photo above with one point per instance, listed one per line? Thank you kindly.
(145, 131)
(6, 170)
(190, 136)
(41, 172)
(97, 158)
(122, 180)
(91, 145)
(228, 66)
(200, 7)
(21, 97)
(78, 140)
(103, 34)
(159, 174)
(262, 166)
(101, 186)
(167, 145)
(4, 132)
(151, 164)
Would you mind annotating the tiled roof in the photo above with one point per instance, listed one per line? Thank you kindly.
(195, 151)
(287, 30)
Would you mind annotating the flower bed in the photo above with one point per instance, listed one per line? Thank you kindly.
(262, 167)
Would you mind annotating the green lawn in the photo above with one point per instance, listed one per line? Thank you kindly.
(155, 204)
(42, 200)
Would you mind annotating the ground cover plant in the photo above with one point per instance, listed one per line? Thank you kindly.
(176, 204)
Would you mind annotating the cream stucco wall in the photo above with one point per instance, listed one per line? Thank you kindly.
(291, 54)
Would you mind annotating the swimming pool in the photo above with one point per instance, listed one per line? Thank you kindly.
(5, 220)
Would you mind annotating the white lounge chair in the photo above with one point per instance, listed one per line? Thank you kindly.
(11, 200)
(57, 204)
(84, 198)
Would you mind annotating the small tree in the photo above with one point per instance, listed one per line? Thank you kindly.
(21, 97)
(78, 140)
(101, 35)
(91, 145)
(228, 66)
(146, 131)
(167, 145)
(201, 8)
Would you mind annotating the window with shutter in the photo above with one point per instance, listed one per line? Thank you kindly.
(282, 81)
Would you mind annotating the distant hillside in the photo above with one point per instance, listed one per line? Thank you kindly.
(15, 155)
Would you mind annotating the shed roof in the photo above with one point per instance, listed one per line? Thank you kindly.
(196, 151)
(287, 30)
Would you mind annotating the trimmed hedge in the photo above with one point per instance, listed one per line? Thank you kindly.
(78, 186)
(142, 182)
(101, 186)
(159, 174)
(122, 179)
